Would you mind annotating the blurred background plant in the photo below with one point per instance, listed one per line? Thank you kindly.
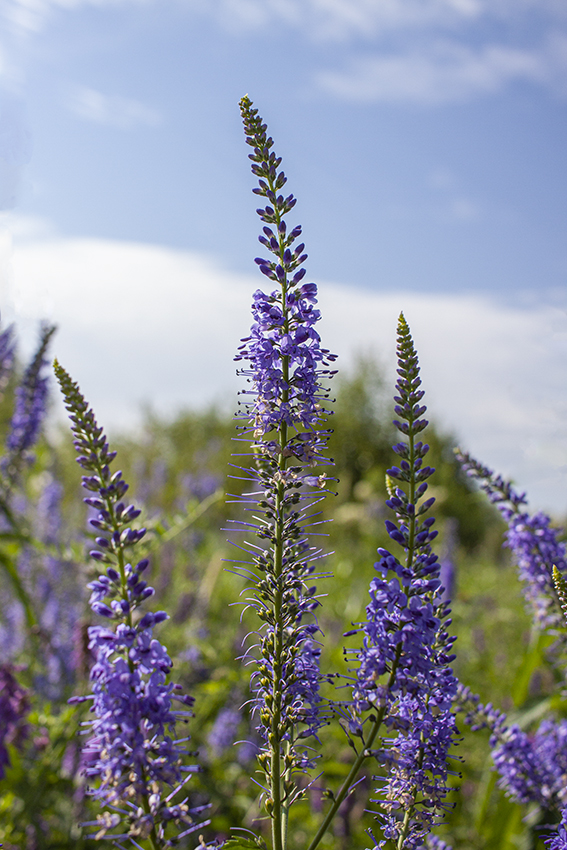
(177, 469)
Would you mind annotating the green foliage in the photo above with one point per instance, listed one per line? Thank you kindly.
(41, 805)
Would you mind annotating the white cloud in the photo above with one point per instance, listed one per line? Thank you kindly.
(29, 16)
(441, 72)
(444, 69)
(425, 55)
(147, 323)
(347, 19)
(335, 19)
(112, 110)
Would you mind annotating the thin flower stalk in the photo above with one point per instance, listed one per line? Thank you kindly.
(132, 754)
(403, 678)
(283, 415)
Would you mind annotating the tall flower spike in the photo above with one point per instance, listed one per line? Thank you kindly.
(283, 418)
(403, 674)
(534, 544)
(532, 767)
(59, 597)
(131, 754)
(29, 411)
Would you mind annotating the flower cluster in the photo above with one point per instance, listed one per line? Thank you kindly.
(532, 767)
(535, 545)
(283, 415)
(29, 411)
(58, 596)
(403, 673)
(559, 840)
(132, 751)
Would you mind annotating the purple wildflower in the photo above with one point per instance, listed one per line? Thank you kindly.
(532, 767)
(535, 545)
(283, 416)
(58, 595)
(559, 840)
(199, 485)
(432, 842)
(30, 409)
(224, 731)
(403, 673)
(14, 705)
(132, 751)
(12, 625)
(447, 568)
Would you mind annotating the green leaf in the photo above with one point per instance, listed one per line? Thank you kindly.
(243, 843)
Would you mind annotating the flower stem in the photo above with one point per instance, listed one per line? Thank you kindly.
(274, 737)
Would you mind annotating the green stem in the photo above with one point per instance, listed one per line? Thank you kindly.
(286, 805)
(275, 736)
(280, 812)
(404, 830)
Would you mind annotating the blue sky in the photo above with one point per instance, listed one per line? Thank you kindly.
(425, 140)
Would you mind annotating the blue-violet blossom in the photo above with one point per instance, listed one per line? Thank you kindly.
(132, 753)
(29, 410)
(534, 543)
(283, 417)
(532, 766)
(403, 676)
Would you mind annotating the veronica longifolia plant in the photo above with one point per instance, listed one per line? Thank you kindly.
(535, 545)
(403, 679)
(29, 411)
(132, 753)
(283, 419)
(532, 766)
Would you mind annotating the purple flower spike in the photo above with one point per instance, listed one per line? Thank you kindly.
(534, 544)
(30, 410)
(283, 416)
(132, 754)
(224, 731)
(532, 767)
(403, 674)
